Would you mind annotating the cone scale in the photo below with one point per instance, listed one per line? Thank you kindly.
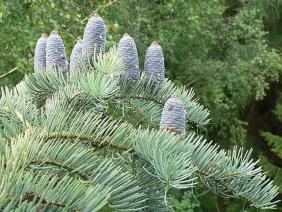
(40, 53)
(127, 51)
(55, 53)
(154, 63)
(173, 115)
(75, 58)
(94, 37)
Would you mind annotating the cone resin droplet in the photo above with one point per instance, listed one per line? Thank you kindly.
(173, 115)
(127, 51)
(154, 63)
(55, 53)
(75, 58)
(40, 53)
(94, 37)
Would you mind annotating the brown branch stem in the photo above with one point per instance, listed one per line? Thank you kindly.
(95, 140)
(9, 72)
(136, 97)
(19, 116)
(68, 168)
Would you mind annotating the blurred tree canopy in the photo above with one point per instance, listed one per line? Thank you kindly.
(220, 47)
(275, 143)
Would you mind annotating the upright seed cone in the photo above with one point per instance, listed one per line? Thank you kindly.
(94, 37)
(40, 53)
(55, 53)
(173, 115)
(127, 51)
(75, 58)
(154, 63)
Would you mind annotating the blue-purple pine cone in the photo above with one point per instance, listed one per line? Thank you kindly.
(75, 58)
(173, 115)
(94, 37)
(40, 53)
(154, 63)
(55, 53)
(127, 51)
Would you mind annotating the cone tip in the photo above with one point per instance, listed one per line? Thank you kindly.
(44, 35)
(155, 44)
(94, 15)
(174, 96)
(54, 32)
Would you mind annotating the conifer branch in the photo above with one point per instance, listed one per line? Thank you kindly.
(146, 98)
(9, 72)
(68, 168)
(35, 196)
(95, 141)
(19, 116)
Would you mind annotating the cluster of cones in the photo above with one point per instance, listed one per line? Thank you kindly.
(50, 51)
(50, 54)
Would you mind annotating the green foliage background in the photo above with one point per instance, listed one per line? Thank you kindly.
(227, 50)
